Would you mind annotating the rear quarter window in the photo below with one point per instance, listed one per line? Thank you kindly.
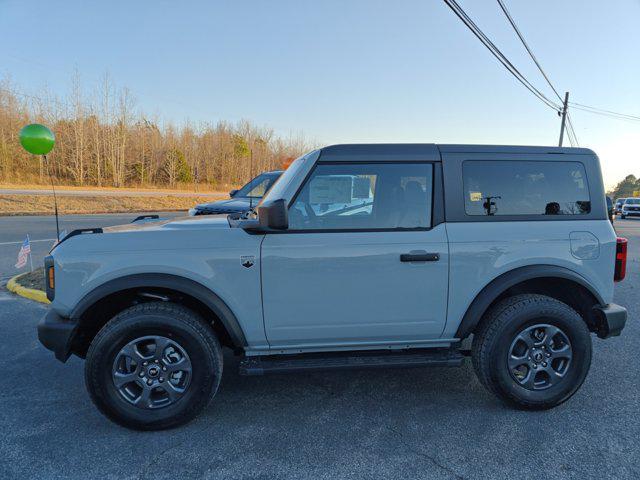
(525, 188)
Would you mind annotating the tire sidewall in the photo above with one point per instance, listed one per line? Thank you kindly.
(571, 324)
(205, 374)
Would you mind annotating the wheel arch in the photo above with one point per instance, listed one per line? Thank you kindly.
(555, 281)
(104, 301)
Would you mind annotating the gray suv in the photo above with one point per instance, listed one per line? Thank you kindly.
(359, 256)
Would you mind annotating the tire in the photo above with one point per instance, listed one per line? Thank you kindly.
(503, 340)
(151, 340)
(622, 217)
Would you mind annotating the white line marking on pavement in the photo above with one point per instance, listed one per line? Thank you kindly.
(32, 241)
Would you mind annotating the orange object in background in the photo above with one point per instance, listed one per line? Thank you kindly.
(286, 162)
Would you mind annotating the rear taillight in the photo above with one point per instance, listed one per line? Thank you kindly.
(621, 259)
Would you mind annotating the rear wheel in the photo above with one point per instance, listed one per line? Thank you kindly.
(153, 366)
(532, 351)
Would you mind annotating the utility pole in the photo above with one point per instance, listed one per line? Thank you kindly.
(564, 116)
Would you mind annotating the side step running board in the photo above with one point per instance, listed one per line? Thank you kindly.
(348, 360)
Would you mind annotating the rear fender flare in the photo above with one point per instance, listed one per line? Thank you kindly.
(503, 282)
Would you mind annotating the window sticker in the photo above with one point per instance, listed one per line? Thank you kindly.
(331, 189)
(475, 196)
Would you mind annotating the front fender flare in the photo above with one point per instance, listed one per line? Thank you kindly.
(169, 282)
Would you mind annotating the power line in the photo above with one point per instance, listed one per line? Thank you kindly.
(569, 135)
(526, 46)
(495, 51)
(604, 112)
(571, 132)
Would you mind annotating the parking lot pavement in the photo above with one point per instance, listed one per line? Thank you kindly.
(405, 424)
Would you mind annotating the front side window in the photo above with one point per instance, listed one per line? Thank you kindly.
(525, 188)
(364, 196)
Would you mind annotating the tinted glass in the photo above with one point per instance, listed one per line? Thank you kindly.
(525, 188)
(257, 187)
(364, 196)
(632, 201)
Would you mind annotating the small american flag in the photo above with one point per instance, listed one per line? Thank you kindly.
(23, 254)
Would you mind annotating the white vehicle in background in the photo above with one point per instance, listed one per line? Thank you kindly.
(630, 207)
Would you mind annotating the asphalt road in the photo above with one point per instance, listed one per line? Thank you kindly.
(421, 423)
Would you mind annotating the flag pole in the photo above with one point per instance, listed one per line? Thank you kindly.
(55, 200)
(30, 257)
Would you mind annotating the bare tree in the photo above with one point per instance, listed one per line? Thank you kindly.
(101, 139)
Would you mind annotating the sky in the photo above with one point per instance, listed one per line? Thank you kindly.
(345, 71)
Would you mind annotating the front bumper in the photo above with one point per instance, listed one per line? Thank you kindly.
(55, 333)
(613, 320)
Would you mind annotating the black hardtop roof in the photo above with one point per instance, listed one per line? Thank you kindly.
(428, 151)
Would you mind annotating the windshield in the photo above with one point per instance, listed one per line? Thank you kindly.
(257, 187)
(632, 201)
(281, 184)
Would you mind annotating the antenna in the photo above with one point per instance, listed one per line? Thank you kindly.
(55, 200)
(251, 181)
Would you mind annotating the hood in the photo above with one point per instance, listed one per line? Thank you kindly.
(178, 234)
(178, 223)
(240, 204)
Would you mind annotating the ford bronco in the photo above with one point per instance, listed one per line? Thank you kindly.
(359, 256)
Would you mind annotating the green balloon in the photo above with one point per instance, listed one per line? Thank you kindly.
(37, 139)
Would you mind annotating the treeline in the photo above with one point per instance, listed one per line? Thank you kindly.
(102, 140)
(626, 187)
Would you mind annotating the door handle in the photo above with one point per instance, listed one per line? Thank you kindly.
(419, 257)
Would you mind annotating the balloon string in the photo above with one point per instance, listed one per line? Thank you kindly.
(55, 200)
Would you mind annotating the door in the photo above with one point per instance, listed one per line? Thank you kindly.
(360, 263)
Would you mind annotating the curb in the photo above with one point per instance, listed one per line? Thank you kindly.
(30, 293)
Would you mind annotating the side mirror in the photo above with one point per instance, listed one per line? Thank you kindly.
(274, 215)
(232, 193)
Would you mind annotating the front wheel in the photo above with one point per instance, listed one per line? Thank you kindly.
(532, 351)
(153, 366)
(622, 217)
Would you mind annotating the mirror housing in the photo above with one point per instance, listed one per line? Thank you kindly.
(274, 215)
(233, 192)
